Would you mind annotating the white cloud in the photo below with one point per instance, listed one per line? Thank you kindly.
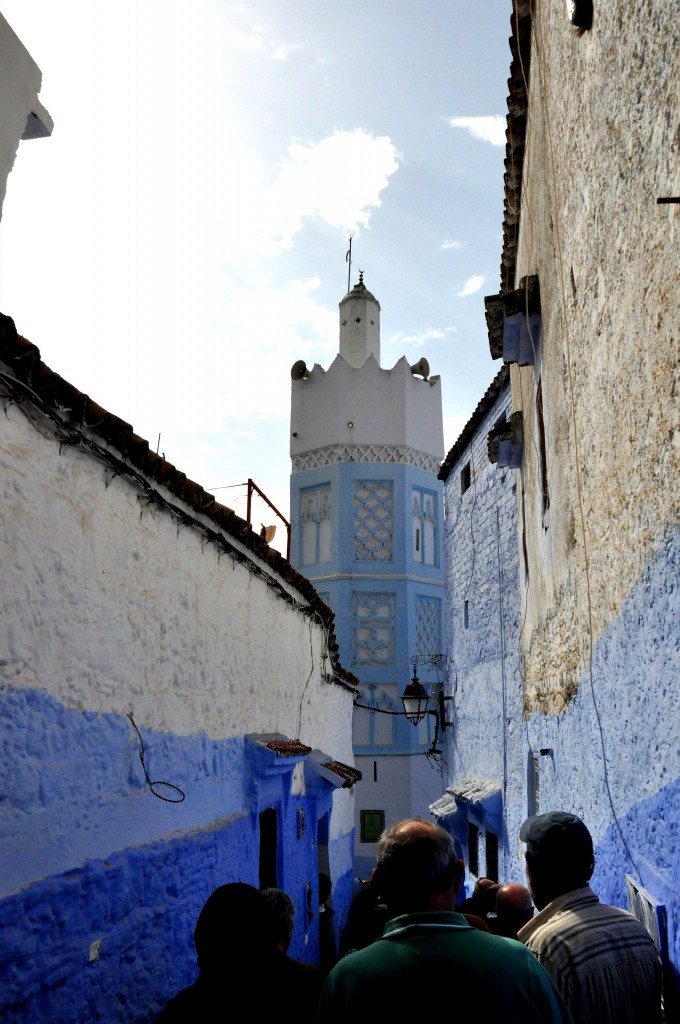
(472, 285)
(252, 215)
(419, 338)
(338, 179)
(249, 42)
(488, 129)
(281, 52)
(137, 254)
(451, 244)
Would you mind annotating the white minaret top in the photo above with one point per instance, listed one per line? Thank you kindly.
(355, 410)
(359, 325)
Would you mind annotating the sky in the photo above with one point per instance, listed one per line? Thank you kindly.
(180, 240)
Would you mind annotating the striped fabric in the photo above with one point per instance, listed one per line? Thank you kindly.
(602, 960)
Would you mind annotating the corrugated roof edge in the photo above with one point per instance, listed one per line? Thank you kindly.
(515, 134)
(78, 410)
(501, 380)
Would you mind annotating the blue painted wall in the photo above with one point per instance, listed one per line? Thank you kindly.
(620, 737)
(482, 641)
(77, 783)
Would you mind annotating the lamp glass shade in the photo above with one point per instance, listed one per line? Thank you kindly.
(415, 700)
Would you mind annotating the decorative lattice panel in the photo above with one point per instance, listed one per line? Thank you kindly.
(374, 616)
(315, 525)
(428, 629)
(373, 520)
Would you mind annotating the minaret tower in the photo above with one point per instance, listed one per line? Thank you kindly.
(366, 529)
(359, 326)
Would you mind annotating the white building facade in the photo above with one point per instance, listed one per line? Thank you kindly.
(22, 115)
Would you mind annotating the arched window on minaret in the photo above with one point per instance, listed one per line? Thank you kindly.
(315, 525)
(424, 506)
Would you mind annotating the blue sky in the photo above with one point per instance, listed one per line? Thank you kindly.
(180, 239)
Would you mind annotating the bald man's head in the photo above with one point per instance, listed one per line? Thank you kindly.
(417, 867)
(513, 909)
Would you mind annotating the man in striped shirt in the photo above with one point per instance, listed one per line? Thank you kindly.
(602, 960)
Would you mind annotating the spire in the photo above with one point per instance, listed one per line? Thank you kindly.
(359, 325)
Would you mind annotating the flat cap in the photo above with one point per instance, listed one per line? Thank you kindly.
(559, 836)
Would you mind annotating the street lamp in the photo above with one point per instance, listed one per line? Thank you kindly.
(416, 699)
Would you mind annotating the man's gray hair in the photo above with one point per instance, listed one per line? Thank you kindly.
(415, 858)
(283, 910)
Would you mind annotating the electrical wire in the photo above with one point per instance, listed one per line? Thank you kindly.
(304, 689)
(158, 782)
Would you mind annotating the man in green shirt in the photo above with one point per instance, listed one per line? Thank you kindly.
(429, 959)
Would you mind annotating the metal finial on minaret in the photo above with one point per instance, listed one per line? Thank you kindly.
(348, 259)
(361, 277)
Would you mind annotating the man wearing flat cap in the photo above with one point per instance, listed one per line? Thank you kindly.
(602, 960)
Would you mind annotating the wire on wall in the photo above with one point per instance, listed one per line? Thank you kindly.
(152, 785)
(304, 689)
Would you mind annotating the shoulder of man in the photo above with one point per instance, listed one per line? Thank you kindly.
(305, 969)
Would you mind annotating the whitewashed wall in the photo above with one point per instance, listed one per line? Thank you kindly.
(111, 606)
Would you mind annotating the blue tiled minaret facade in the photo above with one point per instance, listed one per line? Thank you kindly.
(366, 529)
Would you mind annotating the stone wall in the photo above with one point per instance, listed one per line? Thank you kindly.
(600, 599)
(600, 149)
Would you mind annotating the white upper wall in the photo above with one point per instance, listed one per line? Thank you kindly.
(109, 605)
(366, 405)
(22, 116)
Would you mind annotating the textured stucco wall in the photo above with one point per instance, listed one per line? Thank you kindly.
(481, 550)
(113, 605)
(110, 606)
(601, 147)
(600, 607)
